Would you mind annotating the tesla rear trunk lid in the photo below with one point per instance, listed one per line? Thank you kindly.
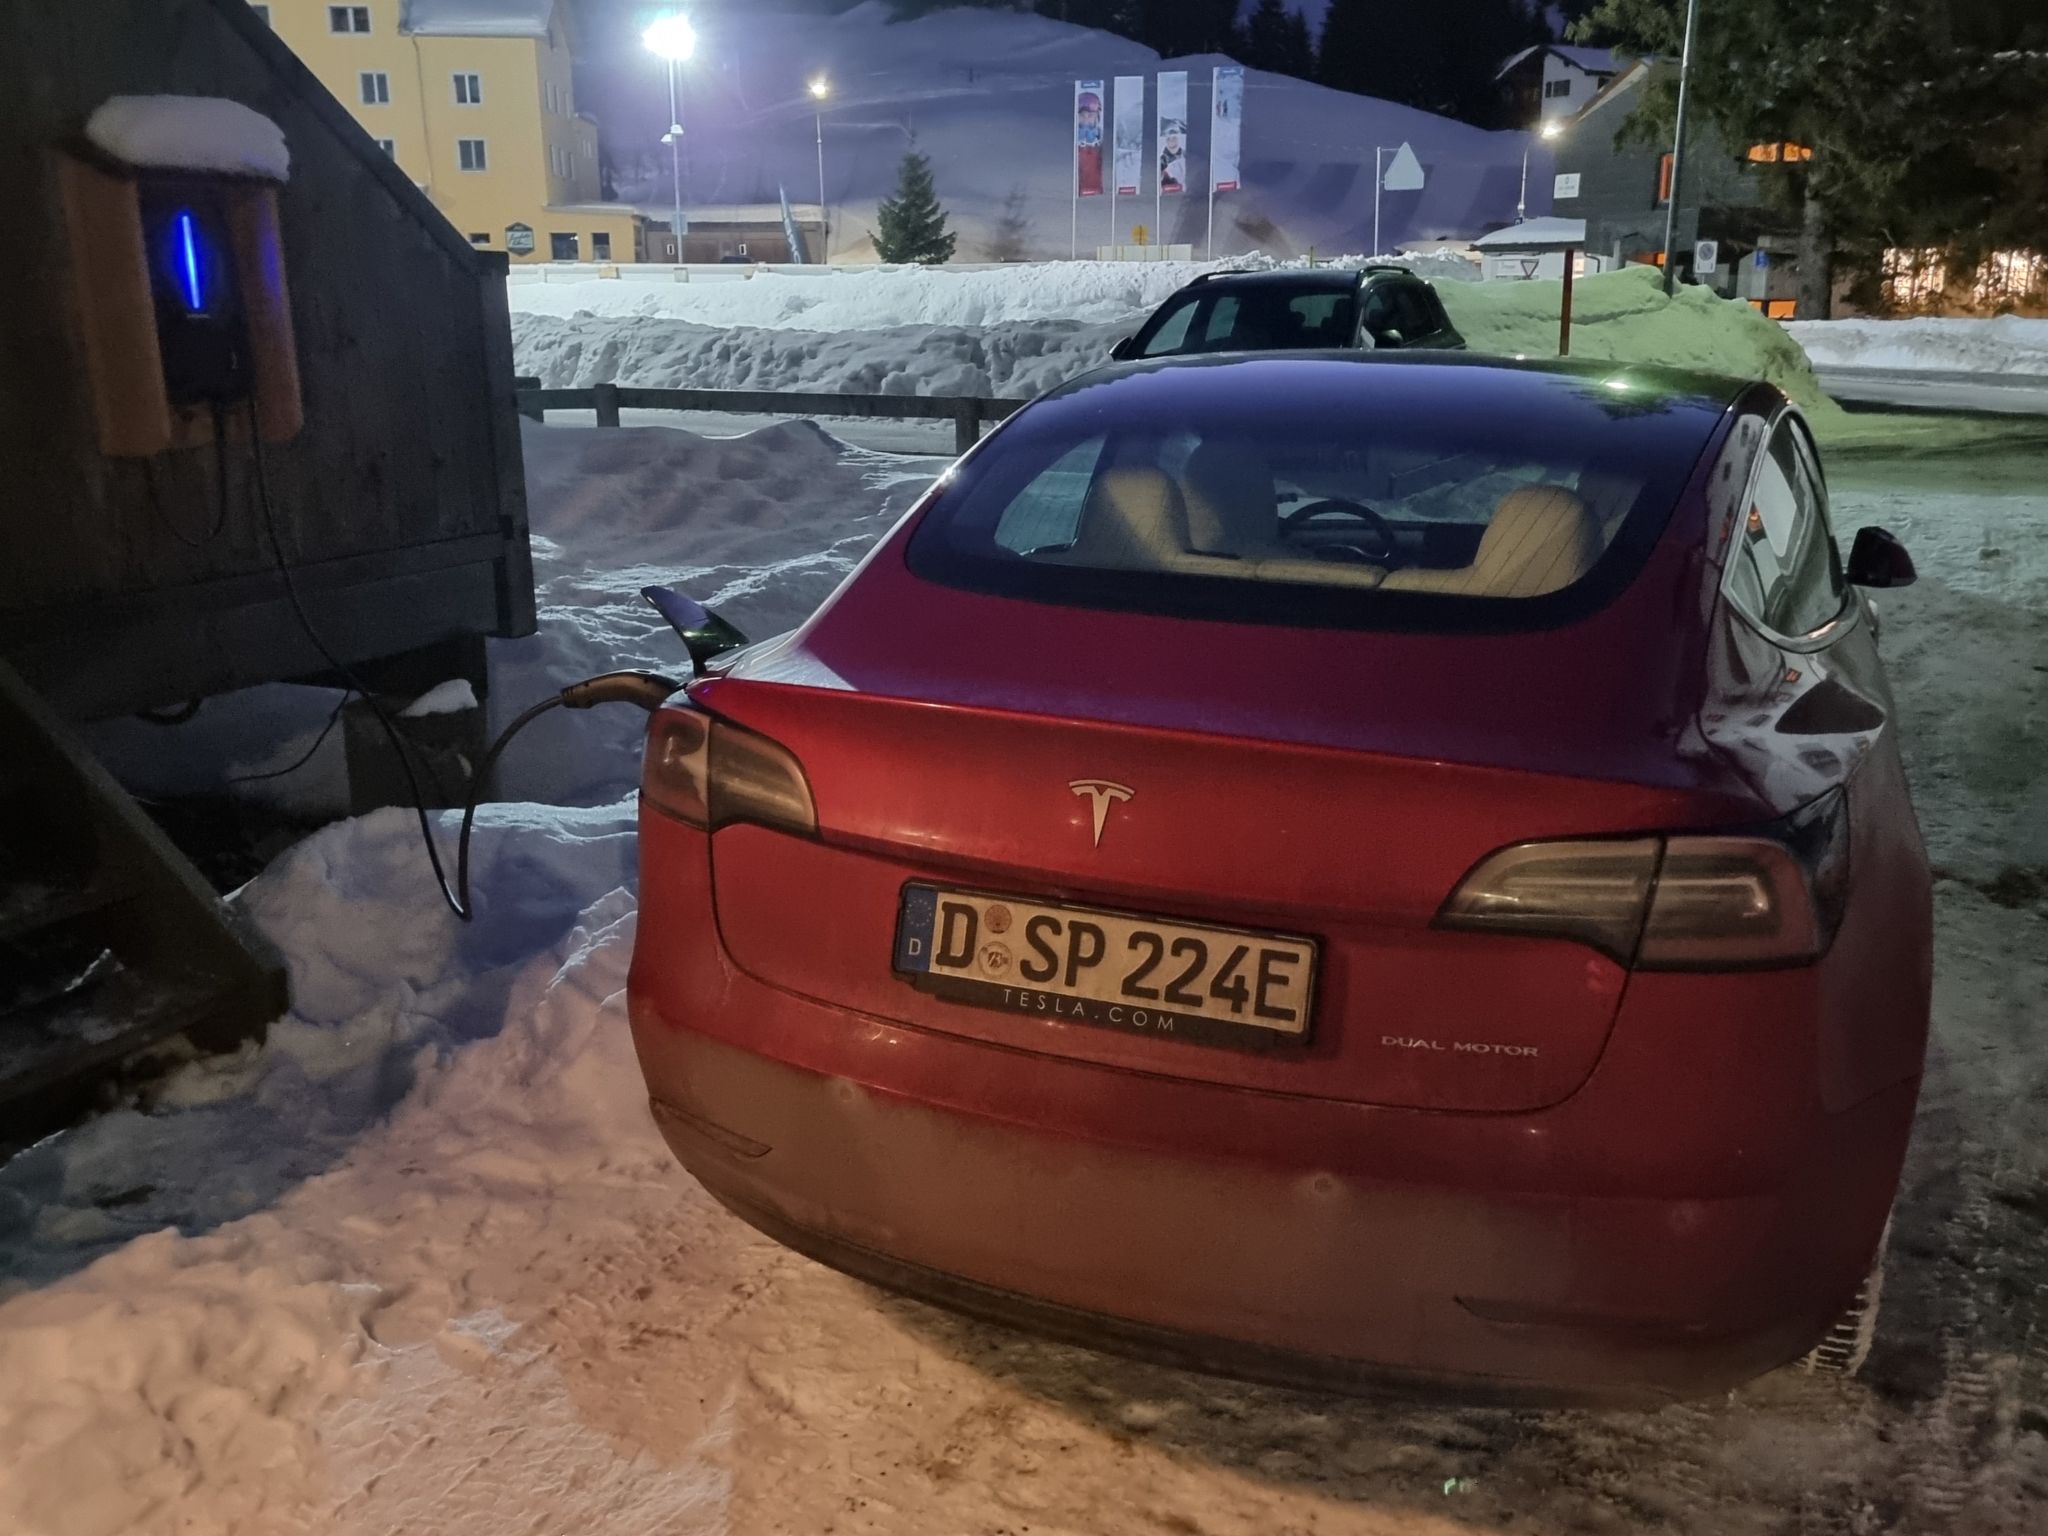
(1353, 851)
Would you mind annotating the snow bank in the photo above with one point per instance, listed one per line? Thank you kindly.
(190, 133)
(893, 332)
(2008, 344)
(1625, 317)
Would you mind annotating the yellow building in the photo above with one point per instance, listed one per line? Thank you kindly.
(474, 100)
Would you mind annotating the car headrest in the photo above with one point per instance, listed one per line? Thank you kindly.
(1228, 490)
(1542, 539)
(1134, 520)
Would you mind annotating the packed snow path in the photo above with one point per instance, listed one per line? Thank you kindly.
(441, 1274)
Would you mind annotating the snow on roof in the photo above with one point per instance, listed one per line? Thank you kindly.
(1531, 233)
(1594, 61)
(477, 18)
(190, 133)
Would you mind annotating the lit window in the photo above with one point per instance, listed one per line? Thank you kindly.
(376, 87)
(1774, 154)
(469, 90)
(348, 18)
(470, 154)
(1664, 168)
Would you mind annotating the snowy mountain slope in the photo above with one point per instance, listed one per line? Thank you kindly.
(988, 95)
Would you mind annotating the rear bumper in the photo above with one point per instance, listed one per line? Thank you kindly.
(1607, 1249)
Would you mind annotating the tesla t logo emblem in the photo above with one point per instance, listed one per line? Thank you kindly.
(1101, 794)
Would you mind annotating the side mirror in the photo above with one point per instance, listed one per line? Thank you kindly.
(1877, 559)
(703, 632)
(1124, 350)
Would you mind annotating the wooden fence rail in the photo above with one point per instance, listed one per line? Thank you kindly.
(966, 412)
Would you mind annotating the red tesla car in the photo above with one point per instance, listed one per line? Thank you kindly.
(1341, 869)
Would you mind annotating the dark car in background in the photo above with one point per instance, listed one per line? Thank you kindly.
(1316, 309)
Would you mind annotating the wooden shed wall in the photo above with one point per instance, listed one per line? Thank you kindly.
(401, 502)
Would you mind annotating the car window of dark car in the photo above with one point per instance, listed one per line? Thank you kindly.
(1784, 571)
(1414, 314)
(1172, 334)
(1324, 320)
(1250, 509)
(1378, 312)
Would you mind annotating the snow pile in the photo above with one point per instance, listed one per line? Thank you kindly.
(1625, 317)
(911, 333)
(2008, 344)
(876, 298)
(190, 133)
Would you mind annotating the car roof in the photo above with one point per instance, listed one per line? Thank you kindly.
(1292, 279)
(1465, 380)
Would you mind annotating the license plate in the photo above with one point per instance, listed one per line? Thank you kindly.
(1118, 970)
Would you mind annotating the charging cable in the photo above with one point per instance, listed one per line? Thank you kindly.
(647, 690)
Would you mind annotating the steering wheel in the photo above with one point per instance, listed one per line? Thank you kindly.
(1357, 511)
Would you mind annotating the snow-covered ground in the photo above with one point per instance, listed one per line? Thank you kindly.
(2006, 345)
(422, 1264)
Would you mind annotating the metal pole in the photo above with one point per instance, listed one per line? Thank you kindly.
(825, 223)
(1564, 319)
(1692, 22)
(1522, 202)
(1377, 177)
(675, 159)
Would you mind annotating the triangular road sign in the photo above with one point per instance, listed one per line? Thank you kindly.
(1404, 172)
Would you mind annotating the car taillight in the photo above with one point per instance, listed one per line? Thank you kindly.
(1762, 896)
(709, 774)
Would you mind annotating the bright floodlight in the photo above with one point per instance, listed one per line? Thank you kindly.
(670, 37)
(821, 87)
(1553, 128)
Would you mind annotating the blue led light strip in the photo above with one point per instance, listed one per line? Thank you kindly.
(188, 247)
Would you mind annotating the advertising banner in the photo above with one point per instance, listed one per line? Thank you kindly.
(1130, 135)
(1088, 138)
(1173, 133)
(1226, 127)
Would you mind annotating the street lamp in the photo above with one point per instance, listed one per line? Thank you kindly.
(821, 88)
(1692, 24)
(671, 37)
(1549, 130)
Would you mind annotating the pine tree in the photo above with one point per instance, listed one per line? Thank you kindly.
(1297, 49)
(913, 224)
(1440, 55)
(1265, 36)
(1011, 238)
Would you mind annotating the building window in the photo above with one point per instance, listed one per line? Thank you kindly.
(601, 245)
(1552, 89)
(470, 154)
(1664, 178)
(1775, 154)
(262, 13)
(476, 239)
(389, 146)
(562, 247)
(376, 87)
(469, 90)
(348, 18)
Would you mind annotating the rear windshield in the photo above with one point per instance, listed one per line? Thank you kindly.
(1413, 508)
(1253, 320)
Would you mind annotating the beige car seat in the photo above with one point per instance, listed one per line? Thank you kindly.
(1542, 539)
(1136, 519)
(1231, 510)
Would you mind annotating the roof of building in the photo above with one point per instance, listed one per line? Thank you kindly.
(662, 214)
(477, 18)
(1594, 61)
(1535, 234)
